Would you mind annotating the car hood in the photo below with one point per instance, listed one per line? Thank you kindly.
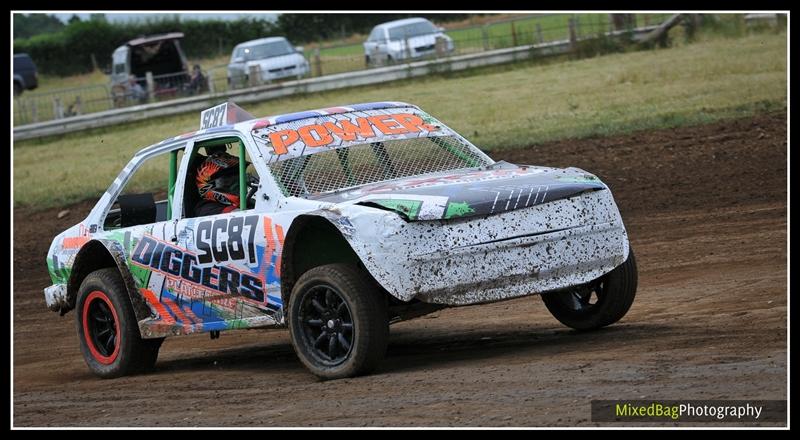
(270, 63)
(420, 40)
(488, 190)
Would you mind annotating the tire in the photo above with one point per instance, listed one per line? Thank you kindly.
(613, 293)
(346, 332)
(103, 308)
(17, 88)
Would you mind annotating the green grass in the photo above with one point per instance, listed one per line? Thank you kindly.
(500, 107)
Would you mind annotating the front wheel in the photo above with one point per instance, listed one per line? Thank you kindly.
(108, 330)
(599, 303)
(338, 321)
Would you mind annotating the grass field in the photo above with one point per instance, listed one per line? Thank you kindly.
(510, 106)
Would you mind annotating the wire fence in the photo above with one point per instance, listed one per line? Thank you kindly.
(324, 60)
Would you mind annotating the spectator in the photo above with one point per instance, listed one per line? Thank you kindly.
(135, 90)
(199, 82)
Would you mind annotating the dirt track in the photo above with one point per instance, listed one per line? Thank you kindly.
(706, 212)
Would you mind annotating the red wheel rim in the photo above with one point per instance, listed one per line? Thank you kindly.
(101, 327)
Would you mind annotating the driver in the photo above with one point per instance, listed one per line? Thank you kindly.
(218, 184)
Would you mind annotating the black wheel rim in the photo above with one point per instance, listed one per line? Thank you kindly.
(585, 298)
(102, 327)
(326, 324)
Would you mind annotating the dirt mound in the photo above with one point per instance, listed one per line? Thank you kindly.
(706, 211)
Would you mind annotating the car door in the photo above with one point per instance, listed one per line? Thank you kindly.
(139, 220)
(229, 262)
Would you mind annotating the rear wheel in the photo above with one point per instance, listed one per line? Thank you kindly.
(108, 330)
(17, 88)
(338, 321)
(599, 303)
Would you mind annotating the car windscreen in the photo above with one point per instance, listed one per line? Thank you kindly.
(411, 30)
(267, 50)
(335, 169)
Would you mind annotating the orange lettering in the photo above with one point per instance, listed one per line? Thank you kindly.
(341, 132)
(282, 139)
(413, 122)
(382, 123)
(364, 129)
(309, 139)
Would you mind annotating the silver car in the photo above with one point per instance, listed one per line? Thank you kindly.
(275, 57)
(404, 39)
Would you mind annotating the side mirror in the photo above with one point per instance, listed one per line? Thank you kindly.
(298, 49)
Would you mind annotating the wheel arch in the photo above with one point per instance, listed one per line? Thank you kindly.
(312, 241)
(99, 254)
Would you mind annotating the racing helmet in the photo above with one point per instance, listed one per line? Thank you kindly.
(218, 179)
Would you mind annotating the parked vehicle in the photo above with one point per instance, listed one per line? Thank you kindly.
(354, 217)
(405, 39)
(274, 57)
(161, 55)
(25, 75)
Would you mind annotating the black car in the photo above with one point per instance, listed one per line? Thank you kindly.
(25, 76)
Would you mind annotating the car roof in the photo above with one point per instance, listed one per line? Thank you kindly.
(402, 22)
(261, 41)
(154, 38)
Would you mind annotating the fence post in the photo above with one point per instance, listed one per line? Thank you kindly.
(513, 35)
(76, 109)
(539, 33)
(440, 46)
(94, 63)
(34, 111)
(58, 109)
(572, 37)
(210, 79)
(151, 87)
(254, 76)
(22, 111)
(577, 26)
(485, 36)
(408, 50)
(317, 62)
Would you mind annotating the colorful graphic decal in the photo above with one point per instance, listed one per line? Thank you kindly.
(60, 264)
(314, 131)
(455, 209)
(231, 281)
(361, 128)
(504, 187)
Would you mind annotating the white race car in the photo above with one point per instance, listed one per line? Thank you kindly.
(356, 217)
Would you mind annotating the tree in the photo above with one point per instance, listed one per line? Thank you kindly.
(28, 25)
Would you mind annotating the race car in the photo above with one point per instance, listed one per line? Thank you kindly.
(344, 220)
